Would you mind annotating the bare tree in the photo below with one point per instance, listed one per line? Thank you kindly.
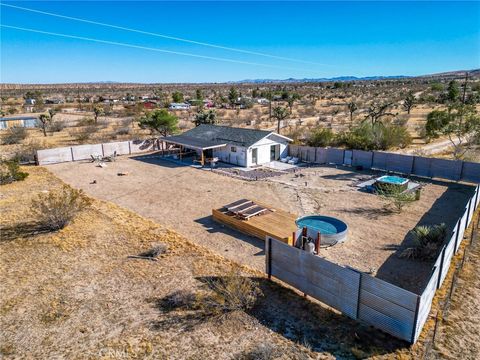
(44, 120)
(376, 112)
(352, 107)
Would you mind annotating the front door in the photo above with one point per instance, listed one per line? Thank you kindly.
(274, 152)
(254, 156)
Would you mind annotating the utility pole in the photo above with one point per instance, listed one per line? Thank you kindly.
(465, 87)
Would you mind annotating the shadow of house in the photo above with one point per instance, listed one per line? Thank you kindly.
(290, 315)
(213, 227)
(413, 275)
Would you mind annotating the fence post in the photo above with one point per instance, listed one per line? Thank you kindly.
(413, 165)
(461, 171)
(103, 151)
(357, 316)
(373, 157)
(71, 152)
(457, 234)
(468, 214)
(268, 250)
(441, 268)
(129, 149)
(415, 319)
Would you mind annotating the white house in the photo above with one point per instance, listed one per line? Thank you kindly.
(238, 146)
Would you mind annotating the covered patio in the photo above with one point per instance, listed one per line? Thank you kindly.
(200, 149)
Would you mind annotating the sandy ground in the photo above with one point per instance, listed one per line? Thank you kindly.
(457, 336)
(181, 198)
(74, 294)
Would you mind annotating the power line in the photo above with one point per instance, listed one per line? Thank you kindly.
(147, 48)
(164, 36)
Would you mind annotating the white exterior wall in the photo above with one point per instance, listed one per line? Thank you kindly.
(263, 149)
(226, 155)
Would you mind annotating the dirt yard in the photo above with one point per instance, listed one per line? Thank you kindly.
(74, 294)
(182, 198)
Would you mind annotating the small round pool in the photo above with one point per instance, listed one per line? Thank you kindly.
(332, 230)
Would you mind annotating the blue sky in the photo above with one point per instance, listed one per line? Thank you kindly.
(340, 38)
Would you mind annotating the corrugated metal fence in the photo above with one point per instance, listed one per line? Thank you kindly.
(360, 296)
(84, 152)
(404, 164)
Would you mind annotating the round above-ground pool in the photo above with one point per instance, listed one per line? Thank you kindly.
(332, 230)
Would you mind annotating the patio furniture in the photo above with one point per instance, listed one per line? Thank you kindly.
(110, 158)
(286, 159)
(293, 161)
(233, 205)
(251, 211)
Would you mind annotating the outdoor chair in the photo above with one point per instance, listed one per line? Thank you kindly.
(293, 161)
(286, 159)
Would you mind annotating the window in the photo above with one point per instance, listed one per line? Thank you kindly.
(233, 149)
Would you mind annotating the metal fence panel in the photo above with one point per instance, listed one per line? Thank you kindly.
(137, 146)
(347, 157)
(122, 148)
(449, 252)
(471, 172)
(53, 156)
(335, 156)
(362, 158)
(399, 163)
(446, 169)
(387, 307)
(327, 282)
(379, 160)
(321, 156)
(421, 166)
(84, 152)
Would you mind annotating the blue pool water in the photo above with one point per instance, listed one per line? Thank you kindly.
(322, 224)
(391, 179)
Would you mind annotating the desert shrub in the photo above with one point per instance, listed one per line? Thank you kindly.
(86, 121)
(321, 137)
(227, 294)
(28, 150)
(10, 172)
(83, 134)
(427, 240)
(56, 209)
(261, 351)
(14, 135)
(56, 126)
(395, 197)
(375, 137)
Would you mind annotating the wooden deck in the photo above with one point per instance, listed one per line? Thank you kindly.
(277, 223)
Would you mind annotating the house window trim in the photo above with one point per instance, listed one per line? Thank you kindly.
(233, 149)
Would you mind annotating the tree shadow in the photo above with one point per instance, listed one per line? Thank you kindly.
(369, 213)
(289, 314)
(22, 230)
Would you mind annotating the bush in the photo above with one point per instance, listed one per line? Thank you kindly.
(83, 134)
(427, 240)
(231, 293)
(14, 135)
(56, 126)
(86, 121)
(123, 131)
(396, 196)
(321, 137)
(57, 209)
(10, 172)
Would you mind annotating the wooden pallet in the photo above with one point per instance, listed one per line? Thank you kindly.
(275, 223)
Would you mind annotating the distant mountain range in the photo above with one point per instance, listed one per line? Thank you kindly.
(472, 73)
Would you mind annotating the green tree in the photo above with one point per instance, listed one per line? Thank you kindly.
(232, 96)
(280, 113)
(177, 97)
(409, 102)
(205, 117)
(198, 94)
(453, 91)
(160, 121)
(352, 107)
(291, 100)
(44, 120)
(98, 111)
(460, 123)
(321, 137)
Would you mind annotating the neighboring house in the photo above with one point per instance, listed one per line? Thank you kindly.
(238, 146)
(54, 101)
(18, 121)
(179, 106)
(150, 104)
(263, 101)
(30, 101)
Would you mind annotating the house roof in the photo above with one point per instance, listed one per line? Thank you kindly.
(231, 135)
(195, 143)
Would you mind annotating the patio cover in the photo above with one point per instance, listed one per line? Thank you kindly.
(194, 143)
